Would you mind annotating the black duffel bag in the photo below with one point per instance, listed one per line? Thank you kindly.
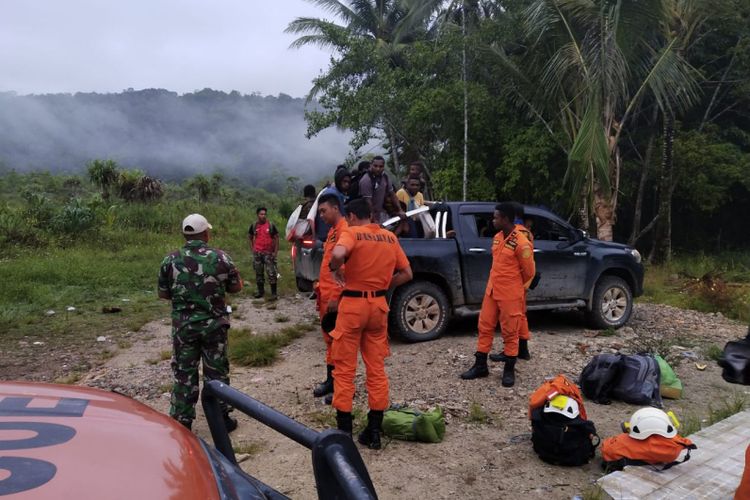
(735, 361)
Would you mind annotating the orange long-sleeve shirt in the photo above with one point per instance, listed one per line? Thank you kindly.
(512, 266)
(327, 286)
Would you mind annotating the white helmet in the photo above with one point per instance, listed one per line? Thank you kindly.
(562, 405)
(649, 421)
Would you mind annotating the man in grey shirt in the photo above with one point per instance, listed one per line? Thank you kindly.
(375, 186)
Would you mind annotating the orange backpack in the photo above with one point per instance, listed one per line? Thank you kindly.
(556, 387)
(622, 450)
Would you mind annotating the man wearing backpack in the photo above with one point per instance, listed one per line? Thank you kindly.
(512, 267)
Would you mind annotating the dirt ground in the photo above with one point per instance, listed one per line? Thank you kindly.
(477, 459)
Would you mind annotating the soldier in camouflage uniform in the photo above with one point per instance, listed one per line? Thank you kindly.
(195, 278)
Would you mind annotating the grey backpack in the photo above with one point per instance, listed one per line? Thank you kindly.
(638, 381)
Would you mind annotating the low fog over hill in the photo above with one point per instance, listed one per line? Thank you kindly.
(166, 134)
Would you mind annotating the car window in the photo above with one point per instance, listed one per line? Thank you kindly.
(479, 225)
(546, 229)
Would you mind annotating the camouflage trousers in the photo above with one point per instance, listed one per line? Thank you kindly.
(265, 263)
(191, 342)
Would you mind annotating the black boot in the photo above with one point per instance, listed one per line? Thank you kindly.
(370, 437)
(325, 387)
(523, 350)
(261, 291)
(479, 369)
(499, 357)
(230, 423)
(274, 295)
(344, 421)
(509, 375)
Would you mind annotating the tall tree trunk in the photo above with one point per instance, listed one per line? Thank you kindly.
(604, 210)
(466, 105)
(394, 150)
(662, 250)
(638, 210)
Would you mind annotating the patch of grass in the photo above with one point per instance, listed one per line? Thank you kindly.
(69, 379)
(609, 332)
(271, 306)
(249, 447)
(281, 318)
(715, 283)
(106, 354)
(165, 355)
(477, 414)
(714, 352)
(152, 361)
(728, 407)
(593, 492)
(246, 349)
(690, 425)
(167, 387)
(323, 418)
(124, 344)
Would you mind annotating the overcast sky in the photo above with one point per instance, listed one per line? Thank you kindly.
(180, 45)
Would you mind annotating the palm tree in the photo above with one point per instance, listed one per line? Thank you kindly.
(103, 174)
(589, 66)
(384, 27)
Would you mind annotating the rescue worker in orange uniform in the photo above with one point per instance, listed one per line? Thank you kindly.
(524, 334)
(329, 292)
(512, 267)
(372, 256)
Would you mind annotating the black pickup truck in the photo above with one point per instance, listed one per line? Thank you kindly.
(452, 265)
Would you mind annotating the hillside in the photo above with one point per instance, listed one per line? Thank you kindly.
(166, 134)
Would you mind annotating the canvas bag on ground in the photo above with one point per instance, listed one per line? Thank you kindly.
(669, 385)
(638, 381)
(599, 377)
(735, 361)
(622, 450)
(413, 425)
(559, 440)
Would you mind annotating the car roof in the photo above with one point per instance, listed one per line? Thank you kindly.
(488, 206)
(99, 444)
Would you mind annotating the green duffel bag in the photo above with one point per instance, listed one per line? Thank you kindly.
(669, 385)
(413, 425)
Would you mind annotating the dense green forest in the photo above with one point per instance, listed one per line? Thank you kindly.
(632, 117)
(171, 136)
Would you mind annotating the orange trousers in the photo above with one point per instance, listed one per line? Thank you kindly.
(743, 491)
(322, 304)
(523, 332)
(361, 325)
(509, 313)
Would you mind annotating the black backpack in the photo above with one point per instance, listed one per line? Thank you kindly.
(638, 381)
(735, 361)
(599, 377)
(559, 440)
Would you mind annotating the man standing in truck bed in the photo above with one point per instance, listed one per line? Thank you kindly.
(372, 255)
(512, 269)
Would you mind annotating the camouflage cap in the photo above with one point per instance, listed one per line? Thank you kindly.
(195, 224)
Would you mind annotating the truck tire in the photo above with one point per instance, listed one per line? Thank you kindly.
(419, 311)
(612, 303)
(304, 285)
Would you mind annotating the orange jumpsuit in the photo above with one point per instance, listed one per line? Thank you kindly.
(524, 333)
(743, 490)
(512, 267)
(374, 254)
(328, 289)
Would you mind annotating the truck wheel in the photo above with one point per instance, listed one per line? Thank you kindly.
(612, 303)
(419, 311)
(304, 285)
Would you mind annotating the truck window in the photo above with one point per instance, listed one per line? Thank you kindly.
(546, 229)
(480, 225)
